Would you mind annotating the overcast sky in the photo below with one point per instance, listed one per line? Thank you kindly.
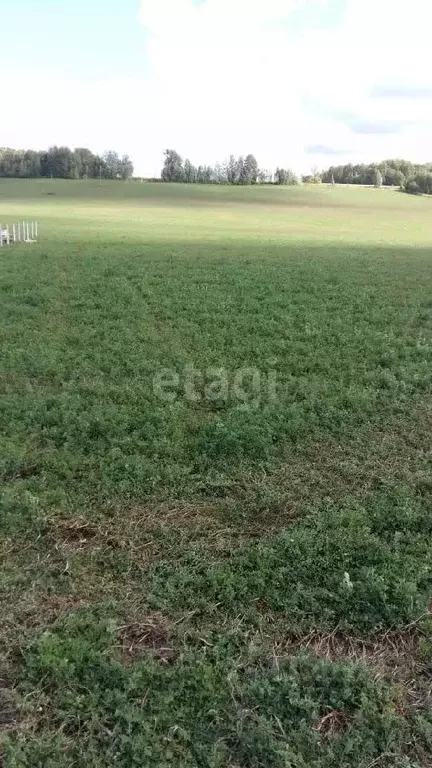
(297, 82)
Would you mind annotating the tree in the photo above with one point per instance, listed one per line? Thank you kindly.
(315, 178)
(250, 169)
(232, 170)
(204, 174)
(264, 177)
(112, 165)
(62, 162)
(393, 178)
(399, 179)
(190, 172)
(31, 165)
(419, 184)
(394, 173)
(98, 167)
(126, 168)
(348, 174)
(285, 176)
(220, 174)
(59, 163)
(241, 173)
(83, 160)
(424, 181)
(412, 187)
(207, 174)
(173, 166)
(377, 178)
(312, 179)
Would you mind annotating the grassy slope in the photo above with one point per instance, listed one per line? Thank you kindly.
(196, 583)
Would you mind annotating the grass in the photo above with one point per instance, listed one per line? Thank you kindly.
(238, 575)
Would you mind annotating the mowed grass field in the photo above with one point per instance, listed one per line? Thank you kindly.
(215, 528)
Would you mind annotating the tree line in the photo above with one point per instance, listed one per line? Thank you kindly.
(420, 183)
(243, 170)
(63, 163)
(411, 177)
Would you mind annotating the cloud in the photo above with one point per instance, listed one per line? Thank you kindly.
(294, 81)
(402, 92)
(223, 77)
(219, 55)
(344, 64)
(247, 75)
(322, 149)
(378, 127)
(160, 16)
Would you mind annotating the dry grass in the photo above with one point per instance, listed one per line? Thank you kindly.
(9, 711)
(153, 635)
(396, 656)
(143, 535)
(358, 465)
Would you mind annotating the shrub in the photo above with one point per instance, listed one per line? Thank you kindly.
(419, 184)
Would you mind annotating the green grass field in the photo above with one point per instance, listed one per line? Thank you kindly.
(215, 526)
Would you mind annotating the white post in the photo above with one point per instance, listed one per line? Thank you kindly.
(7, 235)
(14, 233)
(32, 230)
(28, 233)
(36, 230)
(24, 231)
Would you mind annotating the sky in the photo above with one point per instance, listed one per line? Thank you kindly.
(299, 83)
